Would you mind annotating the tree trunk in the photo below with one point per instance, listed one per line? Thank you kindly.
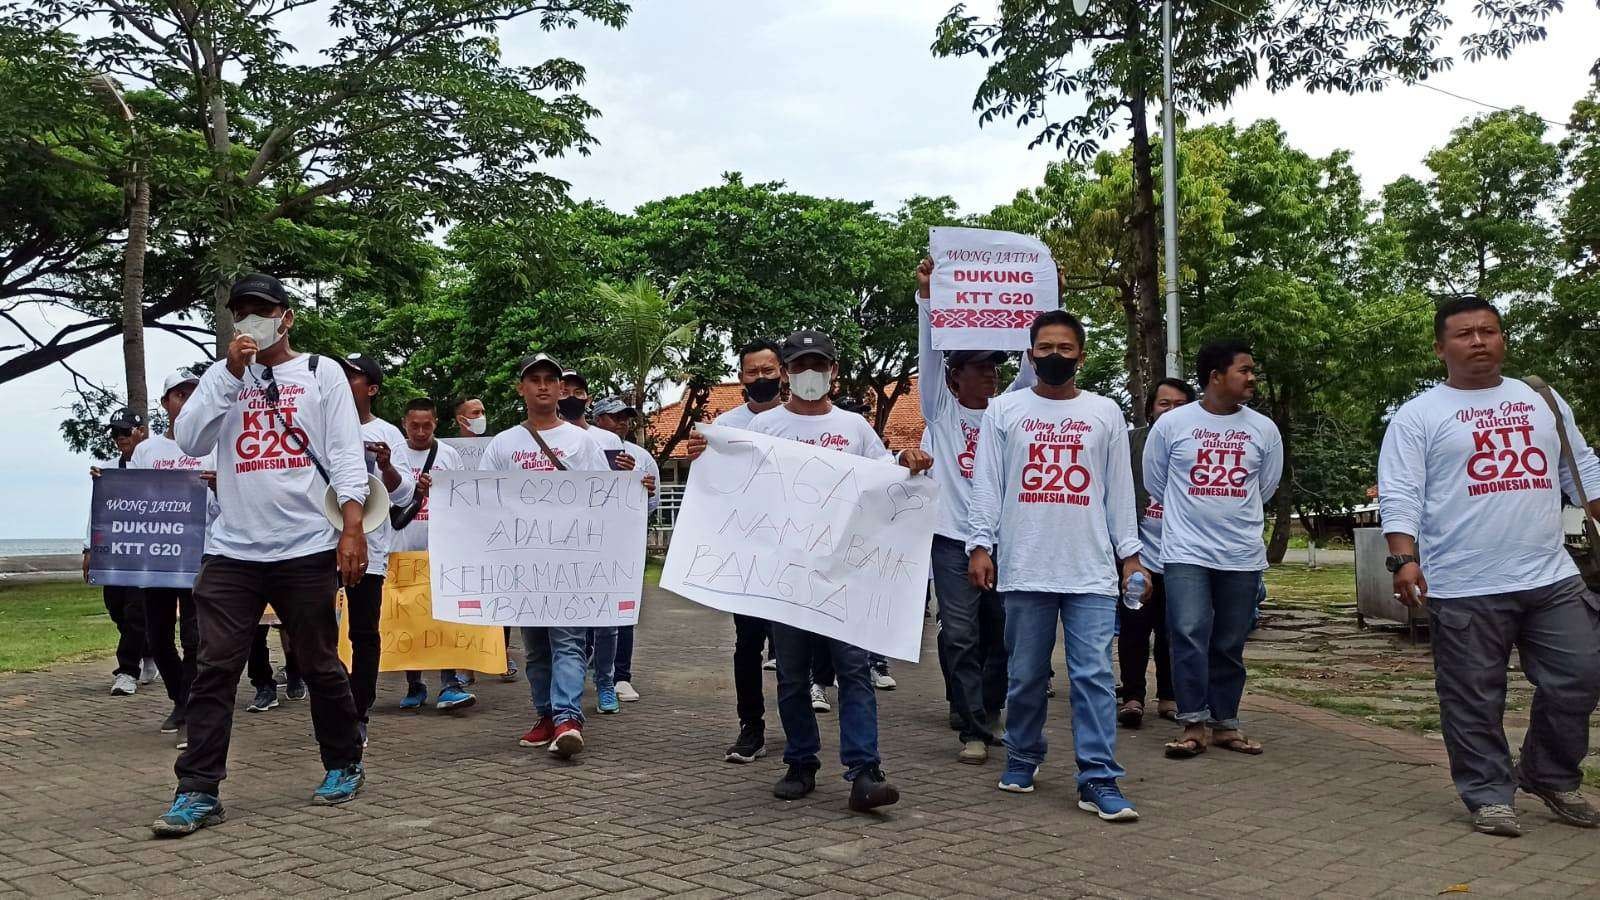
(133, 292)
(226, 257)
(1283, 501)
(694, 403)
(1137, 387)
(1147, 282)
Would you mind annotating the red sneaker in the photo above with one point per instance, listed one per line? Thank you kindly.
(568, 740)
(540, 734)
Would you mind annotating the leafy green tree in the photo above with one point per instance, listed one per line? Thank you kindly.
(642, 339)
(1109, 62)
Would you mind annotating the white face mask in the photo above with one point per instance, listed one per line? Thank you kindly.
(810, 385)
(478, 424)
(263, 328)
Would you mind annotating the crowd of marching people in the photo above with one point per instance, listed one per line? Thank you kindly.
(1055, 517)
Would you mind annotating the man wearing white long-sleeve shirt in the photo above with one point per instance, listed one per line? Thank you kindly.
(1470, 480)
(1212, 465)
(955, 388)
(616, 416)
(283, 429)
(380, 441)
(1051, 515)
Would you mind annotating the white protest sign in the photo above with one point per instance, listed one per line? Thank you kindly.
(821, 540)
(988, 286)
(537, 548)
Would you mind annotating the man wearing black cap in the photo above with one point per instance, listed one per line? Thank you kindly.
(285, 431)
(811, 362)
(955, 389)
(166, 607)
(555, 657)
(380, 440)
(616, 416)
(125, 605)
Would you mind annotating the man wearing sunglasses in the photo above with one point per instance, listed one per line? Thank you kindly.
(283, 430)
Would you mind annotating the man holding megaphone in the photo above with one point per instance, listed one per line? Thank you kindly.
(285, 434)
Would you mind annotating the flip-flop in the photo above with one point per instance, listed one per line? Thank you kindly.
(1238, 744)
(1185, 748)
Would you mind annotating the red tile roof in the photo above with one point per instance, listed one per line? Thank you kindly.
(903, 431)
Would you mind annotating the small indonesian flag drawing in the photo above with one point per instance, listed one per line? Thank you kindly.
(626, 605)
(469, 606)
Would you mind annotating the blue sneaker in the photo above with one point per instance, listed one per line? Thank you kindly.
(1018, 778)
(190, 812)
(1104, 799)
(608, 699)
(453, 697)
(340, 785)
(416, 695)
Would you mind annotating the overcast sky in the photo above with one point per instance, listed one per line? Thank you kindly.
(838, 98)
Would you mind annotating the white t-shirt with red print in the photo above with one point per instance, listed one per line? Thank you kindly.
(270, 494)
(1052, 493)
(950, 434)
(1476, 477)
(835, 429)
(163, 453)
(515, 449)
(415, 535)
(380, 540)
(1212, 475)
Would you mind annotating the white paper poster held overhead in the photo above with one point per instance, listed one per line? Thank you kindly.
(537, 548)
(821, 540)
(988, 287)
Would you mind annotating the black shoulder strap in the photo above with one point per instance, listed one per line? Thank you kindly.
(433, 453)
(312, 365)
(548, 453)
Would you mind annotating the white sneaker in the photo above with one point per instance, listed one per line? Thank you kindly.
(883, 681)
(626, 693)
(148, 671)
(770, 665)
(819, 699)
(124, 685)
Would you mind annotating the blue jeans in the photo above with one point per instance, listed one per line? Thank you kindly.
(447, 678)
(555, 671)
(604, 651)
(858, 702)
(1209, 615)
(1031, 638)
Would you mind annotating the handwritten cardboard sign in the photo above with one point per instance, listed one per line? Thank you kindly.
(988, 287)
(537, 548)
(412, 639)
(825, 541)
(147, 528)
(470, 448)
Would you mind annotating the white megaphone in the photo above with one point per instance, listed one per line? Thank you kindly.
(374, 512)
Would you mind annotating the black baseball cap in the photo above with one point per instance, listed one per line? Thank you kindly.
(126, 419)
(260, 287)
(955, 359)
(537, 359)
(805, 342)
(363, 365)
(571, 377)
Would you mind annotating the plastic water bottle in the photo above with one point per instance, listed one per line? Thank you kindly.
(1133, 595)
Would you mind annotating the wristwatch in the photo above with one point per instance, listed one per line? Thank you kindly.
(1396, 563)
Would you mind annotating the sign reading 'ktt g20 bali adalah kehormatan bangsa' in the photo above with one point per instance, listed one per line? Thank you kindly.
(828, 542)
(537, 548)
(411, 638)
(987, 288)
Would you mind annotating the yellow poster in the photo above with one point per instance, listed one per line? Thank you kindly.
(412, 638)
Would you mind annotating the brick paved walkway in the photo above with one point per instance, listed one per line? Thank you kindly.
(454, 807)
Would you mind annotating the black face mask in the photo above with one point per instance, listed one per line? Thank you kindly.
(1055, 369)
(763, 390)
(572, 408)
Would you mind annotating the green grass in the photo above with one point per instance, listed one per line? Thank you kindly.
(1322, 586)
(43, 624)
(652, 571)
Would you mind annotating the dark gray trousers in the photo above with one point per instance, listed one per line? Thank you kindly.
(1556, 630)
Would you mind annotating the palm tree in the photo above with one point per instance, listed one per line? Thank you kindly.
(642, 338)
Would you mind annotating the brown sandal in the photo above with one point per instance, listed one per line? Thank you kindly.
(1185, 748)
(1131, 715)
(1238, 743)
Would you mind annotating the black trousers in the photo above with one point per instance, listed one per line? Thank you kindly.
(229, 596)
(1133, 645)
(822, 671)
(164, 608)
(125, 605)
(260, 671)
(365, 602)
(750, 635)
